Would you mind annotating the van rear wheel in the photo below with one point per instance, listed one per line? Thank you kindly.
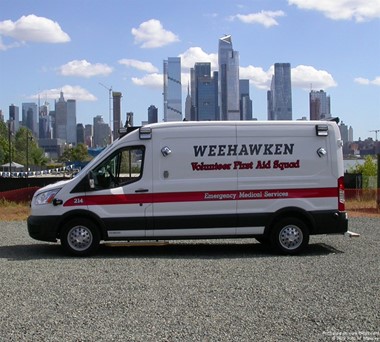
(289, 236)
(80, 237)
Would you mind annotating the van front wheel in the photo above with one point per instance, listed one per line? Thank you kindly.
(80, 237)
(289, 236)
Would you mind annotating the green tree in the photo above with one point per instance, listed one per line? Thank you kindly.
(80, 153)
(4, 143)
(368, 170)
(77, 153)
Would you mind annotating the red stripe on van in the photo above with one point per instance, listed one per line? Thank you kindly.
(169, 197)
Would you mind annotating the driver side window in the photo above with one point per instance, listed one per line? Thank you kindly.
(121, 168)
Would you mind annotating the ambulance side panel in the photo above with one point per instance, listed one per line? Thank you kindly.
(185, 184)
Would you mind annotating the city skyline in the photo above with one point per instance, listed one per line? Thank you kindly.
(334, 49)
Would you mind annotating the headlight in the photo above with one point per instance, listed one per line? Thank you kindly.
(45, 197)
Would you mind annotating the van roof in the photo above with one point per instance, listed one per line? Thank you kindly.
(235, 123)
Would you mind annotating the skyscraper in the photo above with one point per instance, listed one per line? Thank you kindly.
(172, 89)
(319, 105)
(65, 120)
(14, 117)
(45, 122)
(102, 132)
(204, 93)
(60, 118)
(245, 100)
(30, 117)
(152, 114)
(279, 96)
(228, 88)
(71, 130)
(80, 134)
(116, 95)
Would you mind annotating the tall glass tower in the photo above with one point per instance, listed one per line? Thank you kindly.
(172, 89)
(280, 94)
(228, 87)
(204, 92)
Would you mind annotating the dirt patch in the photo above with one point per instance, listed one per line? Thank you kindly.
(14, 211)
(365, 212)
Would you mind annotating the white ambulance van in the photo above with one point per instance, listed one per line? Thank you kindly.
(278, 182)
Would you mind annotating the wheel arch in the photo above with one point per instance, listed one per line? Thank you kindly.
(295, 212)
(79, 213)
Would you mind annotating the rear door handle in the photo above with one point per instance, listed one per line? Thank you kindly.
(142, 190)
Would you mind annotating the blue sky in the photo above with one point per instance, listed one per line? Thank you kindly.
(76, 45)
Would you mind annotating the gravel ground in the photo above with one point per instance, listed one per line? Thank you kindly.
(233, 290)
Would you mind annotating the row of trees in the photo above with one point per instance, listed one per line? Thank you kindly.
(24, 149)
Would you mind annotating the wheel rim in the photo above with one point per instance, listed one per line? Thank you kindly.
(79, 238)
(291, 237)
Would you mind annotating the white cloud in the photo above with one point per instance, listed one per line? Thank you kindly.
(31, 28)
(196, 54)
(359, 10)
(139, 65)
(365, 81)
(82, 68)
(258, 77)
(304, 76)
(265, 18)
(151, 34)
(154, 80)
(69, 92)
(5, 47)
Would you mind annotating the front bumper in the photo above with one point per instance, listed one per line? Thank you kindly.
(44, 228)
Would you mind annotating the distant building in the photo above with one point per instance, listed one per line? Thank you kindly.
(343, 132)
(279, 97)
(188, 106)
(71, 133)
(60, 118)
(350, 134)
(172, 91)
(14, 117)
(80, 134)
(65, 120)
(319, 104)
(228, 83)
(88, 135)
(204, 93)
(30, 117)
(45, 130)
(129, 119)
(102, 132)
(152, 114)
(116, 113)
(53, 148)
(245, 100)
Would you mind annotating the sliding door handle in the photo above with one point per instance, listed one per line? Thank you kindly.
(141, 190)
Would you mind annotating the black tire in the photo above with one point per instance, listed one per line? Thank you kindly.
(289, 236)
(80, 237)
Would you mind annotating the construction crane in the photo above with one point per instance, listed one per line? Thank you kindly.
(376, 131)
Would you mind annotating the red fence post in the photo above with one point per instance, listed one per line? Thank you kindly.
(378, 181)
